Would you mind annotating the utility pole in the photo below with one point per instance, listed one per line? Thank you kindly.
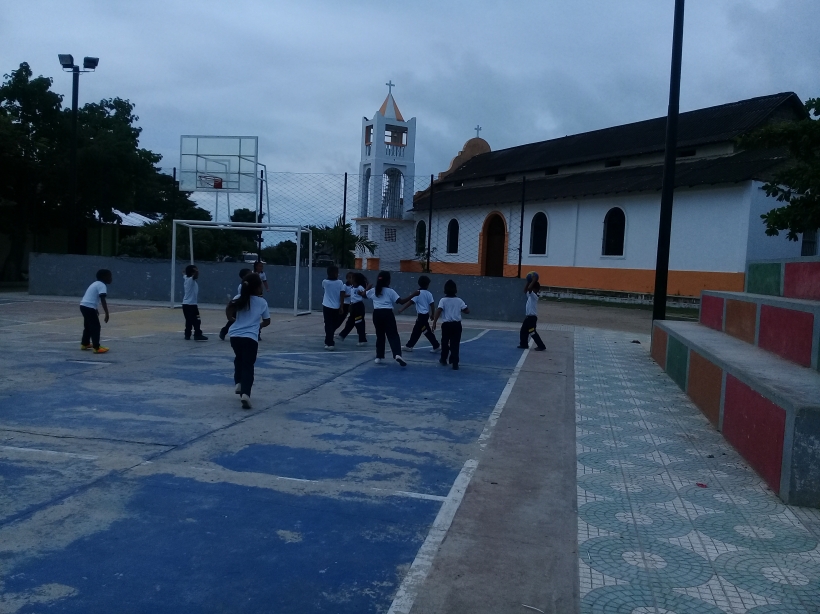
(670, 158)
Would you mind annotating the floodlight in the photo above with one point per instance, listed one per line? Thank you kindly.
(66, 60)
(90, 63)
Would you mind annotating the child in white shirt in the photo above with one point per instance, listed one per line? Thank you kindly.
(332, 304)
(424, 302)
(384, 297)
(346, 305)
(449, 310)
(190, 309)
(356, 295)
(531, 289)
(96, 293)
(242, 272)
(245, 311)
(258, 268)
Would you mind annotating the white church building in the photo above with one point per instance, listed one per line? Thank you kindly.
(583, 210)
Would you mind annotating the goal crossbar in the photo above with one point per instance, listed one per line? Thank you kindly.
(298, 232)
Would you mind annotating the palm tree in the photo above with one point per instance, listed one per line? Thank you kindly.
(340, 242)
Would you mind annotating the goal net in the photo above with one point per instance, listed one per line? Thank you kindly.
(299, 233)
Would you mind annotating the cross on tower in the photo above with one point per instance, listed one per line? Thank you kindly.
(390, 86)
(478, 130)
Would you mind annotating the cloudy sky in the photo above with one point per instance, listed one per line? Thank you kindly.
(301, 75)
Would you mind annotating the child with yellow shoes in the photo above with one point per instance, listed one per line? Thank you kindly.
(95, 294)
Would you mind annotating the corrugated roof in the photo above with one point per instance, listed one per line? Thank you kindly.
(743, 166)
(717, 124)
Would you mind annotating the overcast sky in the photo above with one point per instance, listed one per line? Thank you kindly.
(301, 75)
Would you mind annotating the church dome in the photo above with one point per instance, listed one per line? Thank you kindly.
(474, 147)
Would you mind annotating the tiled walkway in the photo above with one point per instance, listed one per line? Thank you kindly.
(671, 520)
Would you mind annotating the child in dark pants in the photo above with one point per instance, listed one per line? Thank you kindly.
(356, 316)
(449, 310)
(531, 318)
(332, 304)
(224, 331)
(97, 291)
(245, 311)
(189, 303)
(346, 305)
(384, 297)
(424, 302)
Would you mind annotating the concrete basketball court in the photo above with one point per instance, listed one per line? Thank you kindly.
(134, 482)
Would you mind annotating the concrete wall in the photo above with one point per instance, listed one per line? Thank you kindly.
(144, 279)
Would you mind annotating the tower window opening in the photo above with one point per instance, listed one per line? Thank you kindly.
(421, 237)
(368, 135)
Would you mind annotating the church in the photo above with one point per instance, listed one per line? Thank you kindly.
(582, 210)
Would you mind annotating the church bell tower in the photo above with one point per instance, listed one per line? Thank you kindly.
(386, 180)
(387, 166)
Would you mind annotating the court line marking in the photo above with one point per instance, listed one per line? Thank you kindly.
(408, 591)
(71, 454)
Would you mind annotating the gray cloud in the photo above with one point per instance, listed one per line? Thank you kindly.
(302, 75)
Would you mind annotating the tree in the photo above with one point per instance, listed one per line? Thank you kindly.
(340, 242)
(798, 183)
(113, 172)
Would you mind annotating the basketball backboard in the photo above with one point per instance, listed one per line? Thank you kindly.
(218, 164)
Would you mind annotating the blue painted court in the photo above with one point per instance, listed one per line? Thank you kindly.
(133, 481)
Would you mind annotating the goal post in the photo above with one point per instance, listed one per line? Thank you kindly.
(298, 231)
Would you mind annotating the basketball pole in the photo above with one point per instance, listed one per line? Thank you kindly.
(670, 158)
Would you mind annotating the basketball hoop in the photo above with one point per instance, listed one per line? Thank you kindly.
(211, 181)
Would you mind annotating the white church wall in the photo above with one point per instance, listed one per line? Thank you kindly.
(760, 245)
(709, 230)
(561, 223)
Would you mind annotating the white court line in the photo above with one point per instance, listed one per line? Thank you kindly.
(477, 337)
(38, 450)
(406, 595)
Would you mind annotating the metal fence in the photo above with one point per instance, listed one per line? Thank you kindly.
(397, 222)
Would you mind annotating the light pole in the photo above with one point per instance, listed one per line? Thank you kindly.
(89, 65)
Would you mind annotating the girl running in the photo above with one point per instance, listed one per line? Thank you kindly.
(246, 310)
(384, 297)
(356, 317)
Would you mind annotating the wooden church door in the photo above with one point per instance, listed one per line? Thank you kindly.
(494, 235)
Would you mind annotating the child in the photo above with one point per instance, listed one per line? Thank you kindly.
(246, 310)
(531, 288)
(224, 331)
(450, 307)
(384, 297)
(356, 317)
(189, 306)
(346, 305)
(424, 302)
(96, 292)
(332, 303)
(258, 268)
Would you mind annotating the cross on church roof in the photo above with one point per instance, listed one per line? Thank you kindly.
(478, 130)
(390, 85)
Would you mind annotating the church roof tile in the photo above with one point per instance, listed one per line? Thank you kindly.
(717, 124)
(736, 168)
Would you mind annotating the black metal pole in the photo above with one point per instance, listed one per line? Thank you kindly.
(74, 208)
(668, 188)
(344, 223)
(521, 229)
(259, 214)
(430, 226)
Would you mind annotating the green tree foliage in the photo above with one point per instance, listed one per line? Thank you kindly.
(340, 242)
(113, 172)
(797, 185)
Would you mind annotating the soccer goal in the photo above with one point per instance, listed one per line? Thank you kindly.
(297, 231)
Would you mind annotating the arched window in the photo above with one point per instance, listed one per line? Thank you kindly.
(614, 227)
(538, 234)
(452, 237)
(365, 196)
(421, 237)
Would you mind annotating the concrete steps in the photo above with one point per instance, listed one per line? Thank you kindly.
(751, 365)
(787, 327)
(767, 407)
